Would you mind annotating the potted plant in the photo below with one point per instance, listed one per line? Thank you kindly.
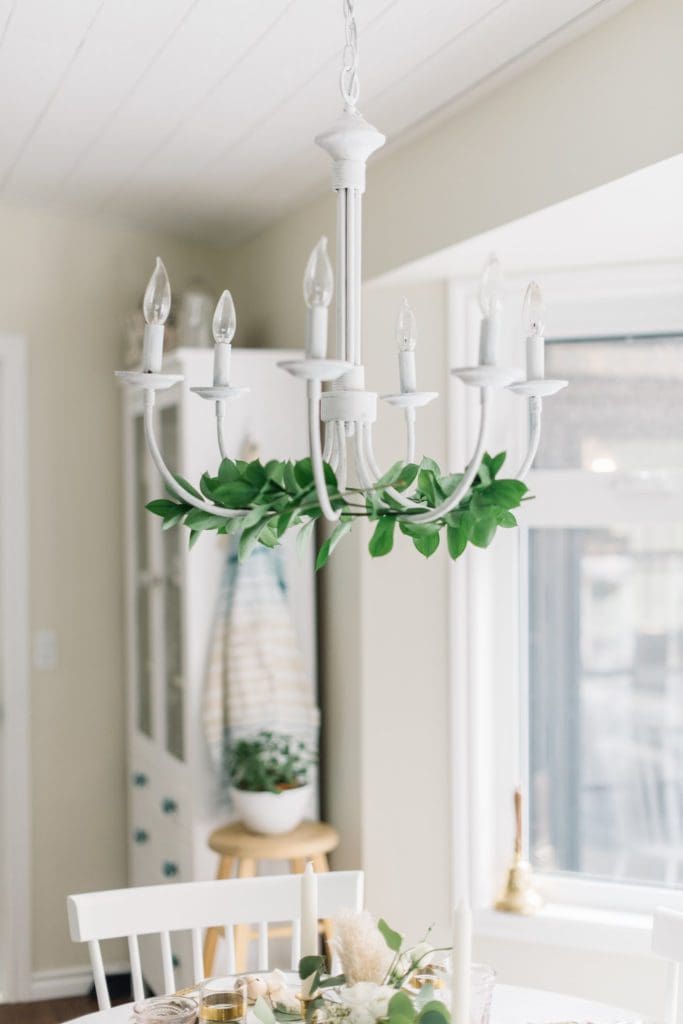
(269, 776)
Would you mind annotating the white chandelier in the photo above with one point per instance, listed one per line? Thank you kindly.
(346, 409)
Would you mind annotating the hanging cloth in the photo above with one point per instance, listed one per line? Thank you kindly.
(256, 677)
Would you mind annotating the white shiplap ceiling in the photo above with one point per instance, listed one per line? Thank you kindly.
(198, 115)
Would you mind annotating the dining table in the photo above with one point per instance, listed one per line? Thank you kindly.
(511, 1005)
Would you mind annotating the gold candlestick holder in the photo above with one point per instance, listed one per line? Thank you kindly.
(519, 895)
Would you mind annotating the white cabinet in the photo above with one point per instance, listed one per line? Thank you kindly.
(171, 600)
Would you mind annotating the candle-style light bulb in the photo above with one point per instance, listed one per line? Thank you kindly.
(318, 288)
(533, 321)
(224, 319)
(491, 304)
(491, 287)
(156, 304)
(406, 328)
(406, 339)
(224, 326)
(533, 310)
(318, 277)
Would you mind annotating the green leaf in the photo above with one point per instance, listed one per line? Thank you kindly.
(407, 476)
(263, 1012)
(505, 519)
(268, 536)
(390, 477)
(255, 474)
(284, 520)
(418, 529)
(290, 479)
(332, 981)
(400, 1004)
(431, 465)
(249, 540)
(506, 493)
(303, 537)
(382, 540)
(427, 544)
(328, 546)
(235, 495)
(494, 463)
(255, 516)
(437, 1014)
(173, 520)
(198, 519)
(303, 472)
(188, 487)
(207, 485)
(426, 483)
(194, 537)
(163, 507)
(330, 476)
(484, 474)
(275, 471)
(456, 538)
(394, 941)
(308, 965)
(484, 529)
(228, 472)
(449, 483)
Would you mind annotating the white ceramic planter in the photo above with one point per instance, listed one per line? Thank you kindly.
(271, 814)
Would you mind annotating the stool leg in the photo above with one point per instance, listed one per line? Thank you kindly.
(298, 865)
(211, 941)
(246, 869)
(320, 866)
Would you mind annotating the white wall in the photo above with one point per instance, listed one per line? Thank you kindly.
(65, 284)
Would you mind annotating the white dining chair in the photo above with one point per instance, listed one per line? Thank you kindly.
(194, 906)
(667, 942)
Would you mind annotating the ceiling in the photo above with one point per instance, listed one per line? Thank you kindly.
(198, 115)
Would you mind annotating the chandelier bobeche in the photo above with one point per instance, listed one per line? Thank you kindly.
(264, 501)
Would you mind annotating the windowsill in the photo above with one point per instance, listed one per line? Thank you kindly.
(570, 926)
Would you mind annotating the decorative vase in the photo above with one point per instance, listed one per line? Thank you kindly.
(271, 814)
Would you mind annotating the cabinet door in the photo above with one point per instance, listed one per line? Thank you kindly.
(173, 654)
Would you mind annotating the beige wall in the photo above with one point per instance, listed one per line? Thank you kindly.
(65, 284)
(605, 105)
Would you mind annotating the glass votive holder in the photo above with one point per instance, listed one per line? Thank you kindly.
(165, 1010)
(482, 983)
(221, 1000)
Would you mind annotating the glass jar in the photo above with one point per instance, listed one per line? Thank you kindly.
(165, 1010)
(482, 983)
(221, 999)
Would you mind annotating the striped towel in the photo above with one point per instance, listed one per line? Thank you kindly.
(255, 678)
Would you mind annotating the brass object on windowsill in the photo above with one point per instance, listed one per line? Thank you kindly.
(519, 896)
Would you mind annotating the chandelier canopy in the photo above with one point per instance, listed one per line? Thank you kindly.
(341, 479)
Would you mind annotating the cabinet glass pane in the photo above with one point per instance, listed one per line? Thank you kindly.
(622, 411)
(606, 701)
(143, 667)
(174, 693)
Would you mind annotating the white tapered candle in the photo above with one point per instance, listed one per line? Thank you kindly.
(461, 964)
(309, 918)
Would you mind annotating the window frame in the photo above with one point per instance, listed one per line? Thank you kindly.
(487, 606)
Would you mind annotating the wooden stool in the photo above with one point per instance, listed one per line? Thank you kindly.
(240, 852)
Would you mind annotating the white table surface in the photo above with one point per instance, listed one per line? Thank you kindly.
(511, 1005)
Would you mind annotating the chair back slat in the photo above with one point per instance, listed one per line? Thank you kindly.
(194, 906)
(135, 967)
(167, 961)
(296, 944)
(99, 976)
(262, 960)
(197, 957)
(229, 949)
(667, 941)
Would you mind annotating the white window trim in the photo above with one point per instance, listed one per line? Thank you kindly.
(579, 913)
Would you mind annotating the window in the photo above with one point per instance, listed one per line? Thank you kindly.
(574, 632)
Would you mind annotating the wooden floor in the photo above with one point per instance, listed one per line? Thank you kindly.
(53, 1011)
(56, 1011)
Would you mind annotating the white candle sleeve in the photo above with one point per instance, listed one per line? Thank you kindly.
(461, 964)
(316, 332)
(221, 364)
(535, 357)
(406, 370)
(488, 338)
(309, 919)
(153, 348)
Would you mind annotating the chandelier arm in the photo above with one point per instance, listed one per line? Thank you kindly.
(314, 391)
(166, 474)
(220, 428)
(341, 445)
(535, 410)
(365, 474)
(470, 472)
(328, 446)
(410, 434)
(372, 462)
(351, 289)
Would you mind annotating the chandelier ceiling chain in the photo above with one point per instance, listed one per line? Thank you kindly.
(344, 468)
(348, 78)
